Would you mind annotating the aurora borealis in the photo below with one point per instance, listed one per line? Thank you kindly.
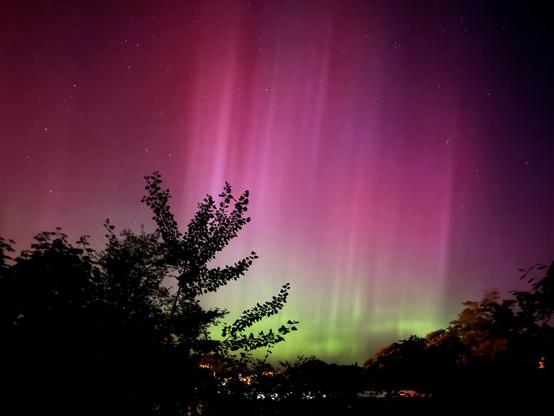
(399, 154)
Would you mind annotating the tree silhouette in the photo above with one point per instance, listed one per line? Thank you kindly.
(495, 349)
(122, 330)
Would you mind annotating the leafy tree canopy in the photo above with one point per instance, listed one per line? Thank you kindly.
(492, 341)
(123, 327)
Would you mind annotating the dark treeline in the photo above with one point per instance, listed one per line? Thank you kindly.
(497, 350)
(121, 331)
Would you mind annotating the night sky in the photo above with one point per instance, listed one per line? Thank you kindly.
(399, 154)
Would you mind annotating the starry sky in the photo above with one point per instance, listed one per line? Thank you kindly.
(399, 153)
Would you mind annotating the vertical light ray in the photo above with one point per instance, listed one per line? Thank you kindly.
(357, 223)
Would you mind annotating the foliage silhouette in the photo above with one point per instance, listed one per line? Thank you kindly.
(122, 330)
(496, 349)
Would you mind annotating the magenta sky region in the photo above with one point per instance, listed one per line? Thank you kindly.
(398, 153)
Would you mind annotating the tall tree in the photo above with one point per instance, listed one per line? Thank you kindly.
(122, 329)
